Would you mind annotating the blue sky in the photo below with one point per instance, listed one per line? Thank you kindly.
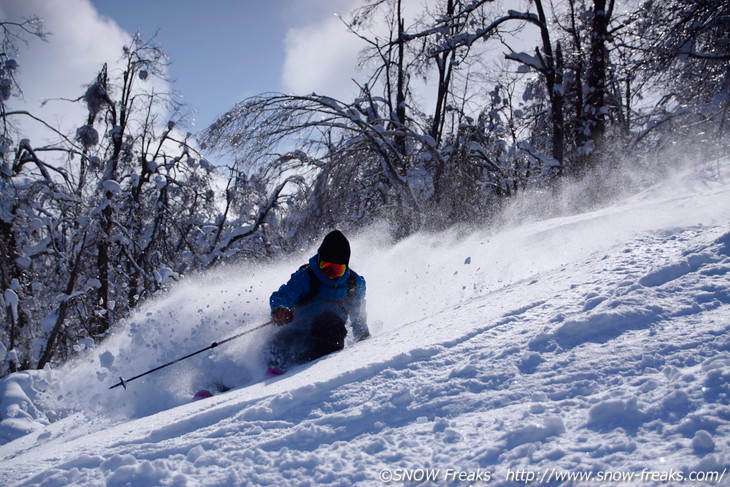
(221, 51)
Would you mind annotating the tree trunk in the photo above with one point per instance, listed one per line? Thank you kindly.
(60, 314)
(596, 75)
(400, 108)
(444, 67)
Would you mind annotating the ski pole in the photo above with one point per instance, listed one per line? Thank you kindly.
(123, 382)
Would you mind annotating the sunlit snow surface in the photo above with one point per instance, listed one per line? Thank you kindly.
(595, 343)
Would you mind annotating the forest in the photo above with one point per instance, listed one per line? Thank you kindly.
(462, 106)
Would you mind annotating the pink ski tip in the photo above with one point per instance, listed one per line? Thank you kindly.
(273, 372)
(202, 395)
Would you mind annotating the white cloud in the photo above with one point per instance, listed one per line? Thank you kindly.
(321, 57)
(80, 42)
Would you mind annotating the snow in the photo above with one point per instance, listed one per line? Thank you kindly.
(594, 344)
(527, 60)
(10, 300)
(111, 186)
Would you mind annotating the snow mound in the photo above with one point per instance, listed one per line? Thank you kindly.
(18, 411)
(595, 344)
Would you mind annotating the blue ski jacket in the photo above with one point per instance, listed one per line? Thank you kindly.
(331, 297)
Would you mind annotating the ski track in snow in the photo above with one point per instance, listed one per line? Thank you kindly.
(593, 343)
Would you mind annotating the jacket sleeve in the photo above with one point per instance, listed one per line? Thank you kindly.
(358, 312)
(292, 292)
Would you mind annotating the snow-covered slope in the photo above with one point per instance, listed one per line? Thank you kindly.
(594, 344)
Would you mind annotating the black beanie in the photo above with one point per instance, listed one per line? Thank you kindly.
(335, 248)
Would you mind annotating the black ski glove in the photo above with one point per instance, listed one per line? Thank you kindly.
(282, 316)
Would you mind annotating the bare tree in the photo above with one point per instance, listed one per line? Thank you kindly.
(682, 49)
(13, 282)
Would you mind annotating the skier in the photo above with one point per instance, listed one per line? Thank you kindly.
(314, 305)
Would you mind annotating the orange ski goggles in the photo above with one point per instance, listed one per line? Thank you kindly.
(331, 270)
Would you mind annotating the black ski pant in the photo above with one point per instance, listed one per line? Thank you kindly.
(292, 347)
